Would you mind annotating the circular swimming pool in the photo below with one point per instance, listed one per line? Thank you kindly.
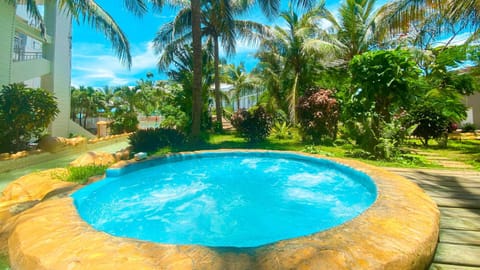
(225, 199)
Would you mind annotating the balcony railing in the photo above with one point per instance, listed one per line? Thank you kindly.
(26, 56)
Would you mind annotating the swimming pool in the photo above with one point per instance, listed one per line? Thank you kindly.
(398, 231)
(225, 199)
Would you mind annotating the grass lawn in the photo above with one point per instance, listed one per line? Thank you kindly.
(409, 159)
(4, 262)
(467, 151)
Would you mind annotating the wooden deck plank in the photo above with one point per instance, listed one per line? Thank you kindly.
(448, 184)
(457, 193)
(460, 237)
(441, 266)
(460, 223)
(462, 255)
(455, 202)
(459, 212)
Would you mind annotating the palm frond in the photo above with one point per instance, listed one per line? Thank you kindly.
(137, 7)
(100, 20)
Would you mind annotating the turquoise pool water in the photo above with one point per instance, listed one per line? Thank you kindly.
(225, 199)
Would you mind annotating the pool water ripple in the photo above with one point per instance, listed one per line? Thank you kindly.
(239, 199)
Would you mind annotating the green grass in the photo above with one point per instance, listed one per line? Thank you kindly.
(4, 264)
(80, 175)
(467, 151)
(341, 150)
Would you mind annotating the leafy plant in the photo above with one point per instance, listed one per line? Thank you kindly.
(25, 113)
(384, 86)
(81, 174)
(281, 131)
(124, 122)
(469, 127)
(312, 149)
(174, 118)
(150, 140)
(431, 123)
(318, 112)
(253, 125)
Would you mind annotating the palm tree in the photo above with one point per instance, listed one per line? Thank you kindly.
(444, 16)
(86, 102)
(182, 61)
(269, 8)
(197, 70)
(354, 29)
(92, 13)
(291, 55)
(242, 83)
(218, 26)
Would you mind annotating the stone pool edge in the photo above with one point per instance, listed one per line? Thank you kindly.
(399, 231)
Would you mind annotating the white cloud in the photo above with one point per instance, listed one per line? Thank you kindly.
(96, 65)
(457, 40)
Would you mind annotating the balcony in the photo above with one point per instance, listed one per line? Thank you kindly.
(26, 56)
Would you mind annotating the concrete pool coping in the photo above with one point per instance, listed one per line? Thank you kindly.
(399, 231)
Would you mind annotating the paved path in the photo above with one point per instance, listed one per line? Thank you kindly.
(60, 161)
(446, 161)
(457, 194)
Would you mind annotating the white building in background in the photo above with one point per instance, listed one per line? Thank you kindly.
(246, 100)
(473, 109)
(39, 60)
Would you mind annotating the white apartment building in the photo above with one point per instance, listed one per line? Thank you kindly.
(39, 60)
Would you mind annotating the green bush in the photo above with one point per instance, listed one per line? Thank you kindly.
(152, 139)
(124, 122)
(431, 123)
(318, 112)
(469, 127)
(253, 125)
(384, 84)
(25, 113)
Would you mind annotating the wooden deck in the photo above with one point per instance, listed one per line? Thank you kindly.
(457, 194)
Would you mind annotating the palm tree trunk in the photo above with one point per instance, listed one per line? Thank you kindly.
(197, 71)
(293, 101)
(218, 98)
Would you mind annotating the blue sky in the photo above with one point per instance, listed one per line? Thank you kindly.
(95, 64)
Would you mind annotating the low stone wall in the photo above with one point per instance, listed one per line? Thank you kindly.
(29, 158)
(399, 231)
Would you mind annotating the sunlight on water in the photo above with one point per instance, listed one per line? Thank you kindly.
(240, 200)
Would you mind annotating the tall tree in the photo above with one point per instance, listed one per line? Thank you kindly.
(242, 82)
(269, 7)
(197, 71)
(291, 52)
(353, 30)
(218, 27)
(448, 17)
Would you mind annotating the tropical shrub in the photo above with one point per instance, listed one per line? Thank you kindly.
(281, 131)
(254, 125)
(174, 118)
(385, 84)
(431, 123)
(318, 112)
(152, 139)
(124, 122)
(469, 127)
(25, 113)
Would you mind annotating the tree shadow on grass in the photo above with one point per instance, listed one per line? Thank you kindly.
(234, 144)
